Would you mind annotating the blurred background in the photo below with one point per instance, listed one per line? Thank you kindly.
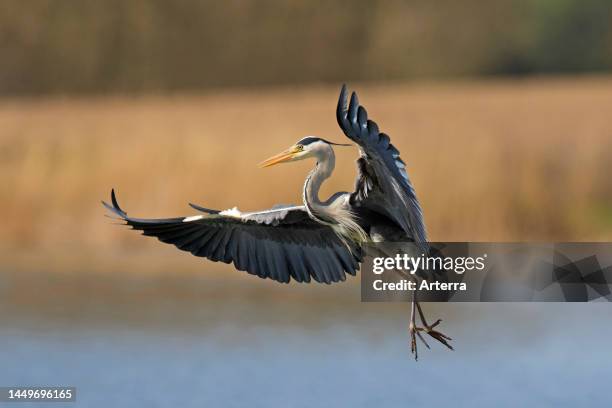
(502, 112)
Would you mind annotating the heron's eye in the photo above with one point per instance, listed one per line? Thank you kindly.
(299, 148)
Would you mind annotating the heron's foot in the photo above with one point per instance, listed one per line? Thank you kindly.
(441, 337)
(413, 343)
(414, 332)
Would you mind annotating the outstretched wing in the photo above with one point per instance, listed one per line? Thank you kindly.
(280, 243)
(382, 184)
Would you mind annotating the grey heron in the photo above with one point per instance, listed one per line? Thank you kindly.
(322, 239)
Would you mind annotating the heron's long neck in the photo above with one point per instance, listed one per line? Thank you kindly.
(326, 212)
(322, 171)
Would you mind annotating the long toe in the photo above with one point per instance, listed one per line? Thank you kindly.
(413, 343)
(442, 338)
(422, 339)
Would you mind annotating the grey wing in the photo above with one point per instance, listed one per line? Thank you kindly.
(280, 244)
(382, 184)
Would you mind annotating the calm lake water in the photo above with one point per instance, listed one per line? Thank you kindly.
(273, 353)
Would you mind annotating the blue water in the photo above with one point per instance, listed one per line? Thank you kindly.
(506, 355)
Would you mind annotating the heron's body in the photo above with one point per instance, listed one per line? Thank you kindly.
(322, 239)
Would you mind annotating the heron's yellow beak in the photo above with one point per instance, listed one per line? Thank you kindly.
(285, 156)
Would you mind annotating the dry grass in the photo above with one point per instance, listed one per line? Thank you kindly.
(490, 161)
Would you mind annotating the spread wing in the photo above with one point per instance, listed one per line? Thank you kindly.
(280, 243)
(382, 184)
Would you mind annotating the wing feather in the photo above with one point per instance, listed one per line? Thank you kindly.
(382, 184)
(282, 243)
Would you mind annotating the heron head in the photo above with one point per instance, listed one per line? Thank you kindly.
(309, 146)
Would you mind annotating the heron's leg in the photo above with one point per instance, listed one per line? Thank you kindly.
(414, 330)
(429, 329)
